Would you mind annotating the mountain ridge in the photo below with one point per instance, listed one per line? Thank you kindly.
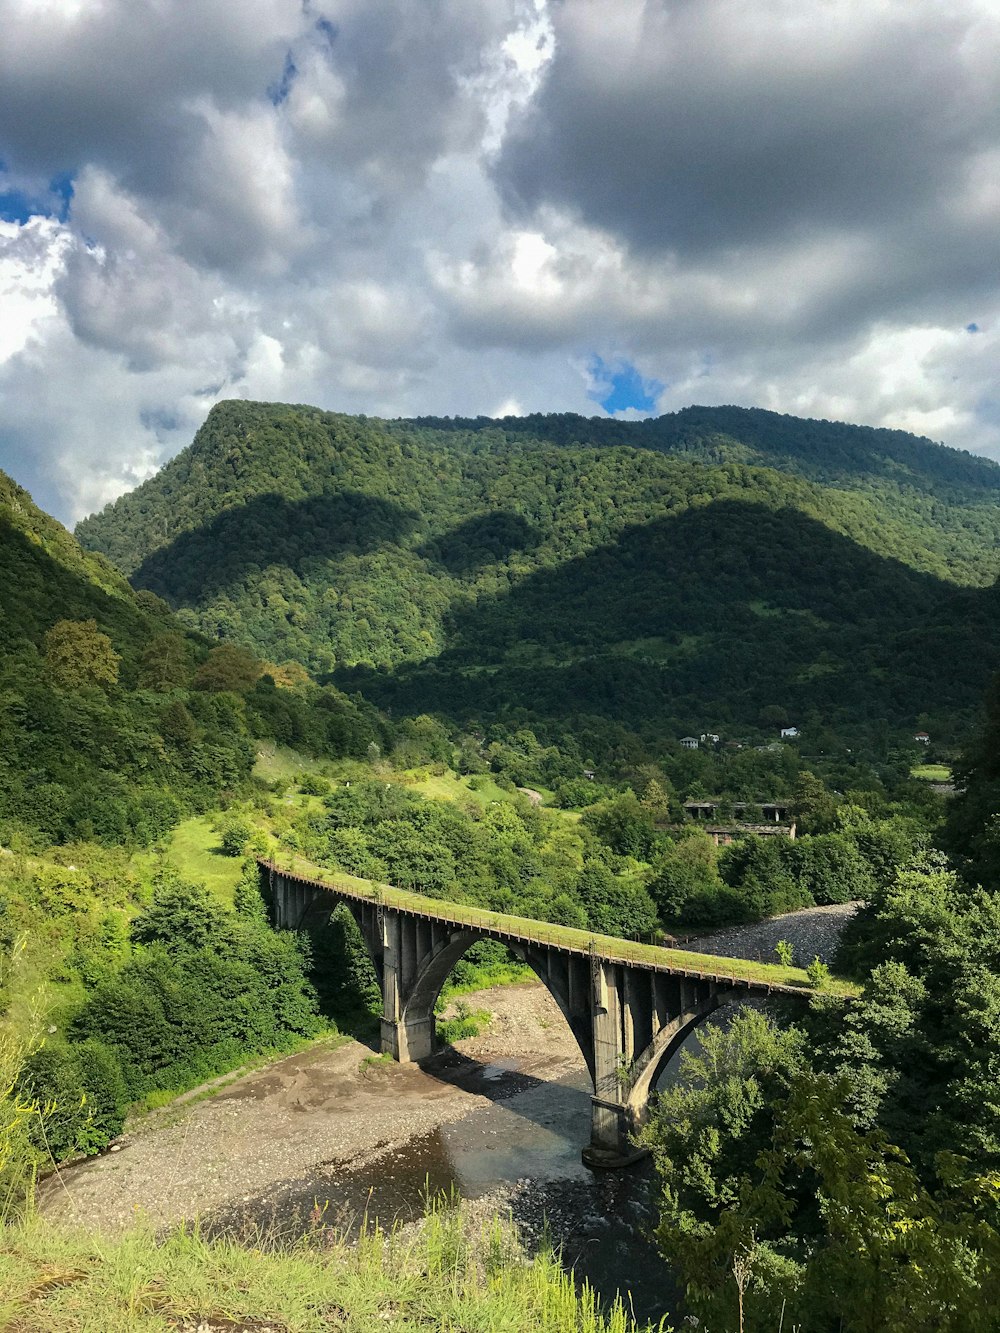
(360, 547)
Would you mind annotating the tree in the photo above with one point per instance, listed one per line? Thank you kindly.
(177, 726)
(77, 655)
(235, 832)
(759, 870)
(830, 869)
(228, 667)
(777, 1210)
(687, 885)
(614, 906)
(165, 663)
(624, 825)
(813, 805)
(180, 916)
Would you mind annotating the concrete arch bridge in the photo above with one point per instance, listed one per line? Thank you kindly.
(629, 1006)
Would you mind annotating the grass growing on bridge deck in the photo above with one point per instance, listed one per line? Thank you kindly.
(737, 970)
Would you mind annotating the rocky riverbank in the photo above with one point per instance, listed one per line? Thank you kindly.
(327, 1108)
(812, 932)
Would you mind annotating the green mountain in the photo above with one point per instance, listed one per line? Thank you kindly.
(115, 720)
(698, 569)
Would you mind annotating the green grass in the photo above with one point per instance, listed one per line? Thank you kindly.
(277, 763)
(931, 772)
(193, 848)
(452, 787)
(483, 976)
(583, 941)
(448, 1273)
(467, 1022)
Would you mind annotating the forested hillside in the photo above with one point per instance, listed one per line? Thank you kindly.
(746, 592)
(115, 721)
(831, 452)
(650, 573)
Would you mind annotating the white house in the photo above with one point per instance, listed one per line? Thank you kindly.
(789, 733)
(922, 737)
(689, 742)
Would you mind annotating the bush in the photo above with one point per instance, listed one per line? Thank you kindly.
(466, 1023)
(83, 1092)
(785, 953)
(818, 973)
(236, 832)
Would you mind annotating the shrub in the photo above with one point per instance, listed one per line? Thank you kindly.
(467, 1022)
(236, 832)
(818, 973)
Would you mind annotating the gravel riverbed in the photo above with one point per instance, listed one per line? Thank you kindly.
(812, 932)
(329, 1108)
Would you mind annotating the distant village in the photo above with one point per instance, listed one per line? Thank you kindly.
(724, 820)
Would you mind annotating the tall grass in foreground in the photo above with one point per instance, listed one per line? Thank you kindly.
(20, 1025)
(448, 1272)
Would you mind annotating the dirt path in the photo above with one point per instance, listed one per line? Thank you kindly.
(322, 1106)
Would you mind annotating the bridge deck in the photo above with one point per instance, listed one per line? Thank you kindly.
(761, 977)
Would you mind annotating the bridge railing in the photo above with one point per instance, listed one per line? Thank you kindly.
(706, 967)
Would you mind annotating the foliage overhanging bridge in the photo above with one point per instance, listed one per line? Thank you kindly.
(629, 1006)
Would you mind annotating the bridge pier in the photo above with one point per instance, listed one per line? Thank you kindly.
(640, 1019)
(612, 1120)
(408, 1026)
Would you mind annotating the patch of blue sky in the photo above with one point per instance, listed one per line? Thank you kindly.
(327, 30)
(972, 328)
(621, 388)
(278, 92)
(18, 203)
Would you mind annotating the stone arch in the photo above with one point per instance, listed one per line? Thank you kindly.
(417, 1004)
(307, 907)
(578, 1015)
(419, 999)
(651, 1062)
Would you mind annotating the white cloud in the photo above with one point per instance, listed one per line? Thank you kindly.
(31, 256)
(454, 207)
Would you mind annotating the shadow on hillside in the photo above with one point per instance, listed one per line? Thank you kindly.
(485, 539)
(37, 590)
(270, 530)
(730, 600)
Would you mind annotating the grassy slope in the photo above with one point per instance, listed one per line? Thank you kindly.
(193, 848)
(277, 763)
(444, 1275)
(450, 787)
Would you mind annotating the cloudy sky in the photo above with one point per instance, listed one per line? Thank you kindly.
(489, 206)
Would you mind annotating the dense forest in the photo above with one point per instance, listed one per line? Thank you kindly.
(114, 720)
(709, 570)
(838, 1171)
